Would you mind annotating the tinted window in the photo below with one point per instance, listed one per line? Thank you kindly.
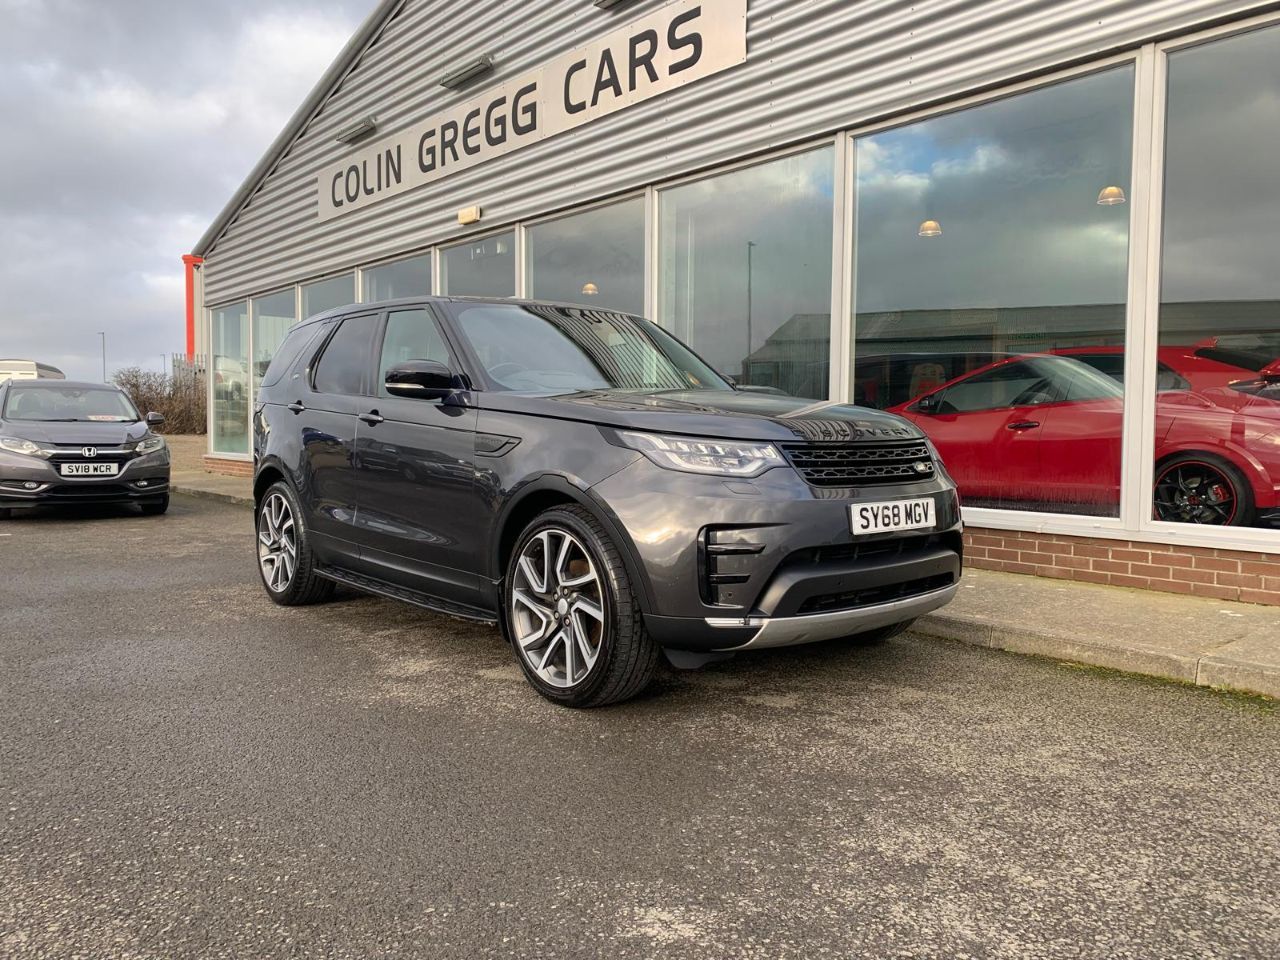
(411, 335)
(289, 351)
(995, 388)
(342, 366)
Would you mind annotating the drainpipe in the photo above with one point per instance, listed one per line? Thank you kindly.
(191, 262)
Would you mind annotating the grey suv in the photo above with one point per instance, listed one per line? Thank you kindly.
(63, 442)
(583, 480)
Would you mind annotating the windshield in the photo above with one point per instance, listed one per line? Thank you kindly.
(559, 349)
(68, 404)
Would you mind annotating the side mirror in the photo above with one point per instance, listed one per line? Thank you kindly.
(421, 380)
(1271, 372)
(928, 405)
(155, 419)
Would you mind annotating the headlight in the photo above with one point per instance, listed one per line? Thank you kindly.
(149, 445)
(19, 445)
(725, 458)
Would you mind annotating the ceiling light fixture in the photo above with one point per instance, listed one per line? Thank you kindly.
(1110, 196)
(358, 130)
(931, 228)
(466, 73)
(589, 289)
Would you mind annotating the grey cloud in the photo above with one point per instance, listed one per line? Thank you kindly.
(126, 128)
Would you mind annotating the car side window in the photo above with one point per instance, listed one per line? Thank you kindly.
(411, 335)
(345, 361)
(298, 339)
(991, 390)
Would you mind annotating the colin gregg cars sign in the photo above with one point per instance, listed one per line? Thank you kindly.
(679, 44)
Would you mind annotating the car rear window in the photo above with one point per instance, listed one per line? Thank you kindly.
(294, 344)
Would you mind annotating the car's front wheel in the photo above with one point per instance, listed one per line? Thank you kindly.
(285, 560)
(571, 613)
(153, 508)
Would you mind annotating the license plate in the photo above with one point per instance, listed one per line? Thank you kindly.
(891, 515)
(89, 469)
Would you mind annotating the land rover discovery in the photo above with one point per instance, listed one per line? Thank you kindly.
(583, 480)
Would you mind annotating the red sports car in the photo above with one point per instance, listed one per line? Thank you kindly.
(1046, 430)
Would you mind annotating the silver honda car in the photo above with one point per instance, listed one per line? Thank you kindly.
(63, 442)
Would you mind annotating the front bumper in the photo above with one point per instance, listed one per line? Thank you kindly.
(731, 565)
(792, 631)
(34, 481)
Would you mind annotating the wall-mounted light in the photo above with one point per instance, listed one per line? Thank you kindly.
(470, 215)
(931, 228)
(589, 289)
(358, 130)
(467, 72)
(1110, 196)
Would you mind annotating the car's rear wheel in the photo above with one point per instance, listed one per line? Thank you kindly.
(571, 614)
(285, 560)
(1201, 488)
(153, 508)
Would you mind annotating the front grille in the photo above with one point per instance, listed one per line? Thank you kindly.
(869, 596)
(861, 464)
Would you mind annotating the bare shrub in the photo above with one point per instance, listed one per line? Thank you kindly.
(180, 397)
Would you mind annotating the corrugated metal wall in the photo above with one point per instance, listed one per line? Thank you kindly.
(814, 67)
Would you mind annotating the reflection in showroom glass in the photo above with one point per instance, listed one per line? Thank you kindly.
(991, 247)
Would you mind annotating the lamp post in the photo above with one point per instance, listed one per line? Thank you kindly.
(751, 246)
(103, 335)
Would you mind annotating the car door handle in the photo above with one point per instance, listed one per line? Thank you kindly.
(296, 406)
(372, 418)
(1024, 425)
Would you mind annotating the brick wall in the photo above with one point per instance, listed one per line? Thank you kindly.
(1198, 571)
(230, 468)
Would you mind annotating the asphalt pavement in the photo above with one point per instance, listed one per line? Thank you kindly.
(189, 771)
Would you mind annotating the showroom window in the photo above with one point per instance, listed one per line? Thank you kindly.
(595, 258)
(326, 294)
(480, 268)
(991, 246)
(272, 317)
(745, 271)
(403, 278)
(1217, 453)
(229, 425)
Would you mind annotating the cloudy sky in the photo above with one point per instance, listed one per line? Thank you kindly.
(127, 124)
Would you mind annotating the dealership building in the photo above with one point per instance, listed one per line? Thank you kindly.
(1045, 231)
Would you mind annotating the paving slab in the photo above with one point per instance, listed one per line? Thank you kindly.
(1206, 642)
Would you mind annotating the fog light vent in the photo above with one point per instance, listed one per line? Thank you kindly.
(31, 485)
(727, 559)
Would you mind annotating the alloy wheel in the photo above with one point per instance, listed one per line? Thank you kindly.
(557, 608)
(1195, 492)
(277, 543)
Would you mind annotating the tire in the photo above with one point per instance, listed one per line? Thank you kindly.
(879, 635)
(153, 508)
(1202, 488)
(5, 513)
(555, 615)
(289, 577)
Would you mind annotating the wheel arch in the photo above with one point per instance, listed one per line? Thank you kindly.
(268, 473)
(550, 491)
